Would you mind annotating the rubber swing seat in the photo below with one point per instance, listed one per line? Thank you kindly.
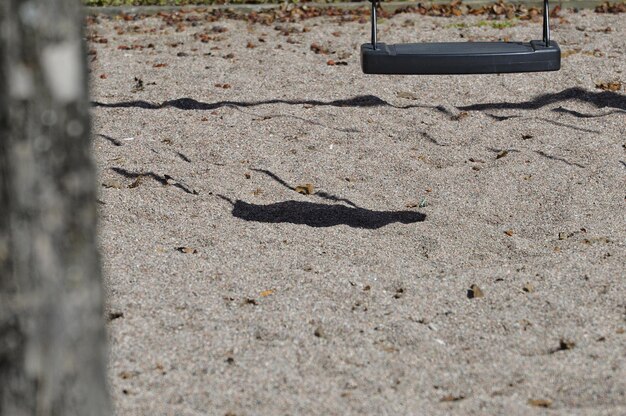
(457, 58)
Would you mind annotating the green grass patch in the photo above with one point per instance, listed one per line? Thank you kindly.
(497, 24)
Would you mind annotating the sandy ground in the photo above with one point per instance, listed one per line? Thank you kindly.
(231, 293)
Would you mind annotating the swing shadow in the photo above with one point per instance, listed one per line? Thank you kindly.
(320, 215)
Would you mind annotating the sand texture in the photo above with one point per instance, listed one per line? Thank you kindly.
(281, 236)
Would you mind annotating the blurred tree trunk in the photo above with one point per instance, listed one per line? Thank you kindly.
(52, 338)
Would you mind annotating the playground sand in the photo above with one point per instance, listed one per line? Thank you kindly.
(283, 236)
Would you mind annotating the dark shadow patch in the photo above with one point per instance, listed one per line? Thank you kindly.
(320, 215)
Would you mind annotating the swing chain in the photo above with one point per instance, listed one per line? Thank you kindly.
(546, 23)
(374, 17)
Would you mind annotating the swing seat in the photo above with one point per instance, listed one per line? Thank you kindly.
(455, 58)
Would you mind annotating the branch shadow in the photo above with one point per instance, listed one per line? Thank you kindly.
(321, 194)
(163, 180)
(320, 215)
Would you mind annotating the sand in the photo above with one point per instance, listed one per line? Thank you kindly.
(231, 293)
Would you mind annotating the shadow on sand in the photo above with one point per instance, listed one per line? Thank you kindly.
(320, 215)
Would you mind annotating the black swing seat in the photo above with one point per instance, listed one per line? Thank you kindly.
(460, 58)
(455, 58)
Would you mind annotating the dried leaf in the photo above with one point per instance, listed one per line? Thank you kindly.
(540, 402)
(187, 250)
(138, 181)
(460, 116)
(509, 233)
(306, 189)
(452, 398)
(112, 184)
(159, 65)
(475, 292)
(266, 293)
(610, 86)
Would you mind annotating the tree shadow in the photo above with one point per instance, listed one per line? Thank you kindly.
(320, 215)
(598, 99)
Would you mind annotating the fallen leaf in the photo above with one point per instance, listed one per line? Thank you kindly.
(451, 398)
(160, 65)
(610, 86)
(460, 116)
(509, 233)
(475, 292)
(266, 293)
(187, 250)
(112, 184)
(224, 86)
(306, 189)
(540, 402)
(319, 49)
(250, 45)
(565, 344)
(257, 192)
(103, 76)
(528, 288)
(502, 154)
(138, 181)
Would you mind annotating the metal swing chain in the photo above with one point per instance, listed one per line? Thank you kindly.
(546, 23)
(374, 25)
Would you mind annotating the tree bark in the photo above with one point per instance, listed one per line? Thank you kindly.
(52, 337)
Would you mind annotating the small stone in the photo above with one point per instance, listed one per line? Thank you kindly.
(319, 332)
